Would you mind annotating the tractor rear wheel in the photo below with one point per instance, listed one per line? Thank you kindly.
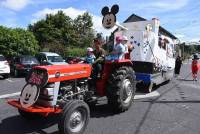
(74, 118)
(121, 88)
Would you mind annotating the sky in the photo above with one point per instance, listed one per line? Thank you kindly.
(180, 17)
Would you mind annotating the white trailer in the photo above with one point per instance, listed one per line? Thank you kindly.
(153, 55)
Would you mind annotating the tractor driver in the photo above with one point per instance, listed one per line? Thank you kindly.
(99, 53)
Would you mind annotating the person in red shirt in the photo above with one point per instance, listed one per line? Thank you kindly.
(195, 67)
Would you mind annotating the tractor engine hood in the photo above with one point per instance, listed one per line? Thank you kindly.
(40, 75)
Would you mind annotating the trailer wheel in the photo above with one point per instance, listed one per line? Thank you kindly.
(148, 87)
(28, 115)
(74, 118)
(121, 88)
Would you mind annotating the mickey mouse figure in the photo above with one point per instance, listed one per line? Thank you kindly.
(109, 18)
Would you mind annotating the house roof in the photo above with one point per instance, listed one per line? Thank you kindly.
(135, 18)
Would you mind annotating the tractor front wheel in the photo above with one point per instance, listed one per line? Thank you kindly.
(121, 88)
(74, 118)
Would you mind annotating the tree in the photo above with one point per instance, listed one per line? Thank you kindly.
(52, 30)
(60, 30)
(83, 24)
(17, 41)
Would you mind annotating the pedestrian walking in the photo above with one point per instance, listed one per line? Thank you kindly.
(195, 67)
(178, 64)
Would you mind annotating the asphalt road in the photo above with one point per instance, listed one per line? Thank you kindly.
(175, 109)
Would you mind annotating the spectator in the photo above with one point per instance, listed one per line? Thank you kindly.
(195, 67)
(178, 64)
(90, 58)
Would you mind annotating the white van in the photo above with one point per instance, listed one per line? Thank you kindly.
(49, 58)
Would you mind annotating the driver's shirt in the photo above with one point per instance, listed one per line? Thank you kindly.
(100, 53)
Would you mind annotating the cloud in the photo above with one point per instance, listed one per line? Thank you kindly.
(180, 35)
(195, 39)
(167, 4)
(158, 6)
(73, 13)
(15, 5)
(8, 18)
(190, 31)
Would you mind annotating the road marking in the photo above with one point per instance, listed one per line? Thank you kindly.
(195, 85)
(9, 80)
(149, 95)
(9, 95)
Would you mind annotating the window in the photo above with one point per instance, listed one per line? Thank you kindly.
(2, 58)
(55, 58)
(163, 43)
(17, 60)
(29, 60)
(41, 58)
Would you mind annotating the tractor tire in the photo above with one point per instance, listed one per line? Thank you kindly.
(121, 88)
(74, 118)
(29, 116)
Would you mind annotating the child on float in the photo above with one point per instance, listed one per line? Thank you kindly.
(118, 50)
(90, 57)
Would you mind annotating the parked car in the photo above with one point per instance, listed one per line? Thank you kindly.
(49, 58)
(22, 64)
(4, 67)
(74, 60)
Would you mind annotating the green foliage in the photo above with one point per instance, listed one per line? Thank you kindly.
(59, 32)
(17, 41)
(83, 26)
(99, 36)
(188, 50)
(76, 52)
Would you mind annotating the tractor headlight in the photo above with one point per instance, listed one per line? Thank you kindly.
(57, 75)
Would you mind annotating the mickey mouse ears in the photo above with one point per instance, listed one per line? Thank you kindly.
(114, 10)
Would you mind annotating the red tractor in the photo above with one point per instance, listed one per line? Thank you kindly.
(65, 89)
